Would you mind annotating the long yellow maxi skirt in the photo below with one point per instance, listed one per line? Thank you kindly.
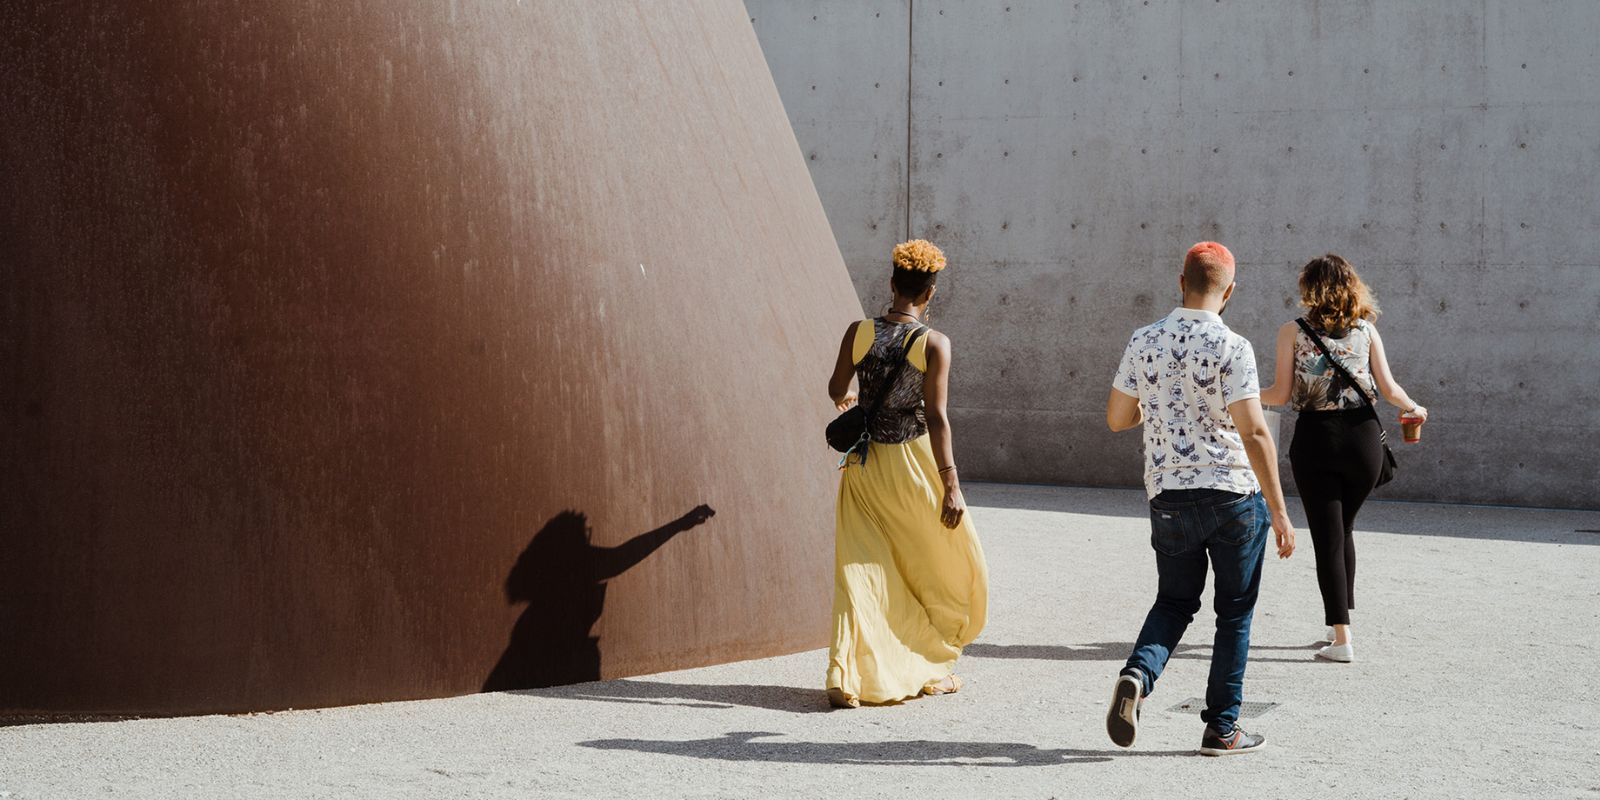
(908, 593)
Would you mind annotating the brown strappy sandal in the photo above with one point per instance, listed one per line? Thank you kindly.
(950, 684)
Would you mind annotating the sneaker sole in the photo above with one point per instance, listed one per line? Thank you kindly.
(1122, 721)
(1350, 660)
(1212, 751)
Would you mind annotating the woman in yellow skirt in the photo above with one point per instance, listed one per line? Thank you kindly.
(910, 584)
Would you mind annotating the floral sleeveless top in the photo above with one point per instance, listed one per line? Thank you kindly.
(1318, 386)
(877, 349)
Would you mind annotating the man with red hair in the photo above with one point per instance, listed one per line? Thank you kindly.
(1211, 474)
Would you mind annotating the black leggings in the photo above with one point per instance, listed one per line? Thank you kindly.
(1335, 456)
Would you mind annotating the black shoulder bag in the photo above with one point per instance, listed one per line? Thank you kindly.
(847, 433)
(1387, 468)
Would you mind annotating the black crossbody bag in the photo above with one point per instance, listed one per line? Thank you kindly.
(847, 433)
(1387, 468)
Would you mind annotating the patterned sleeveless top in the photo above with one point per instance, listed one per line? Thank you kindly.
(877, 348)
(1318, 386)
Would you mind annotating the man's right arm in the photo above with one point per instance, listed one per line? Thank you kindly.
(1123, 410)
(1263, 454)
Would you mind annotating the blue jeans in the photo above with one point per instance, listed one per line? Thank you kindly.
(1186, 527)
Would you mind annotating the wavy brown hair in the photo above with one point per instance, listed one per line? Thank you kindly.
(1335, 297)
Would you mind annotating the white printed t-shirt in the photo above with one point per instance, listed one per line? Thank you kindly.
(1185, 370)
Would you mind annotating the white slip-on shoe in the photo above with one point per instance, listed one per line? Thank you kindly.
(1327, 635)
(1342, 653)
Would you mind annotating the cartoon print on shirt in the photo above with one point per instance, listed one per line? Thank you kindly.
(1216, 451)
(1186, 369)
(1151, 374)
(1183, 446)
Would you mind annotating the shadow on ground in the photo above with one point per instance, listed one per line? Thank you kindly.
(1118, 652)
(792, 699)
(799, 700)
(757, 746)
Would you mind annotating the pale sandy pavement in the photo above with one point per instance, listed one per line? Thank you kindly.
(1476, 631)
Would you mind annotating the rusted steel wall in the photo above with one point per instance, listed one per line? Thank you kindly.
(362, 351)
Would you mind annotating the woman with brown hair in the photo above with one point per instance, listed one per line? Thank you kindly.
(1336, 453)
(910, 584)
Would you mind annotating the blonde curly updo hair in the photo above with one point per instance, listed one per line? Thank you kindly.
(917, 265)
(919, 255)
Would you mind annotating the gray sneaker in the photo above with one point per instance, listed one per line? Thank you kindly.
(1236, 743)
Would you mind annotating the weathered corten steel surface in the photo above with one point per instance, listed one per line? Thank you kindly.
(362, 351)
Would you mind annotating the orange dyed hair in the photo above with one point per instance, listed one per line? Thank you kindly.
(1334, 295)
(1207, 268)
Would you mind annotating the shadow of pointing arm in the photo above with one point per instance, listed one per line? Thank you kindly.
(613, 561)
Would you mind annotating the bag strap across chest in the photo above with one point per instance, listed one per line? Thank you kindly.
(1339, 366)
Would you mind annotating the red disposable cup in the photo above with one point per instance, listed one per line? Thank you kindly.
(1411, 428)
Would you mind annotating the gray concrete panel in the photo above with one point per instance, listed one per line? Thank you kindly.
(842, 71)
(1066, 154)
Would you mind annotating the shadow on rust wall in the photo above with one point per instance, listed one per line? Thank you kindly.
(379, 350)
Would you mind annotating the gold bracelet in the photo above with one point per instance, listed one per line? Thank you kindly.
(943, 470)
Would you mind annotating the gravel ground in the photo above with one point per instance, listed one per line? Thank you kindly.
(1475, 637)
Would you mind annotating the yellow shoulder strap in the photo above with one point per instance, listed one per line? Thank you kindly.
(866, 331)
(918, 355)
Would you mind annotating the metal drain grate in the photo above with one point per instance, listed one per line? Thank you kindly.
(1249, 708)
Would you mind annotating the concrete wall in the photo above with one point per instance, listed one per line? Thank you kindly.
(1065, 155)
